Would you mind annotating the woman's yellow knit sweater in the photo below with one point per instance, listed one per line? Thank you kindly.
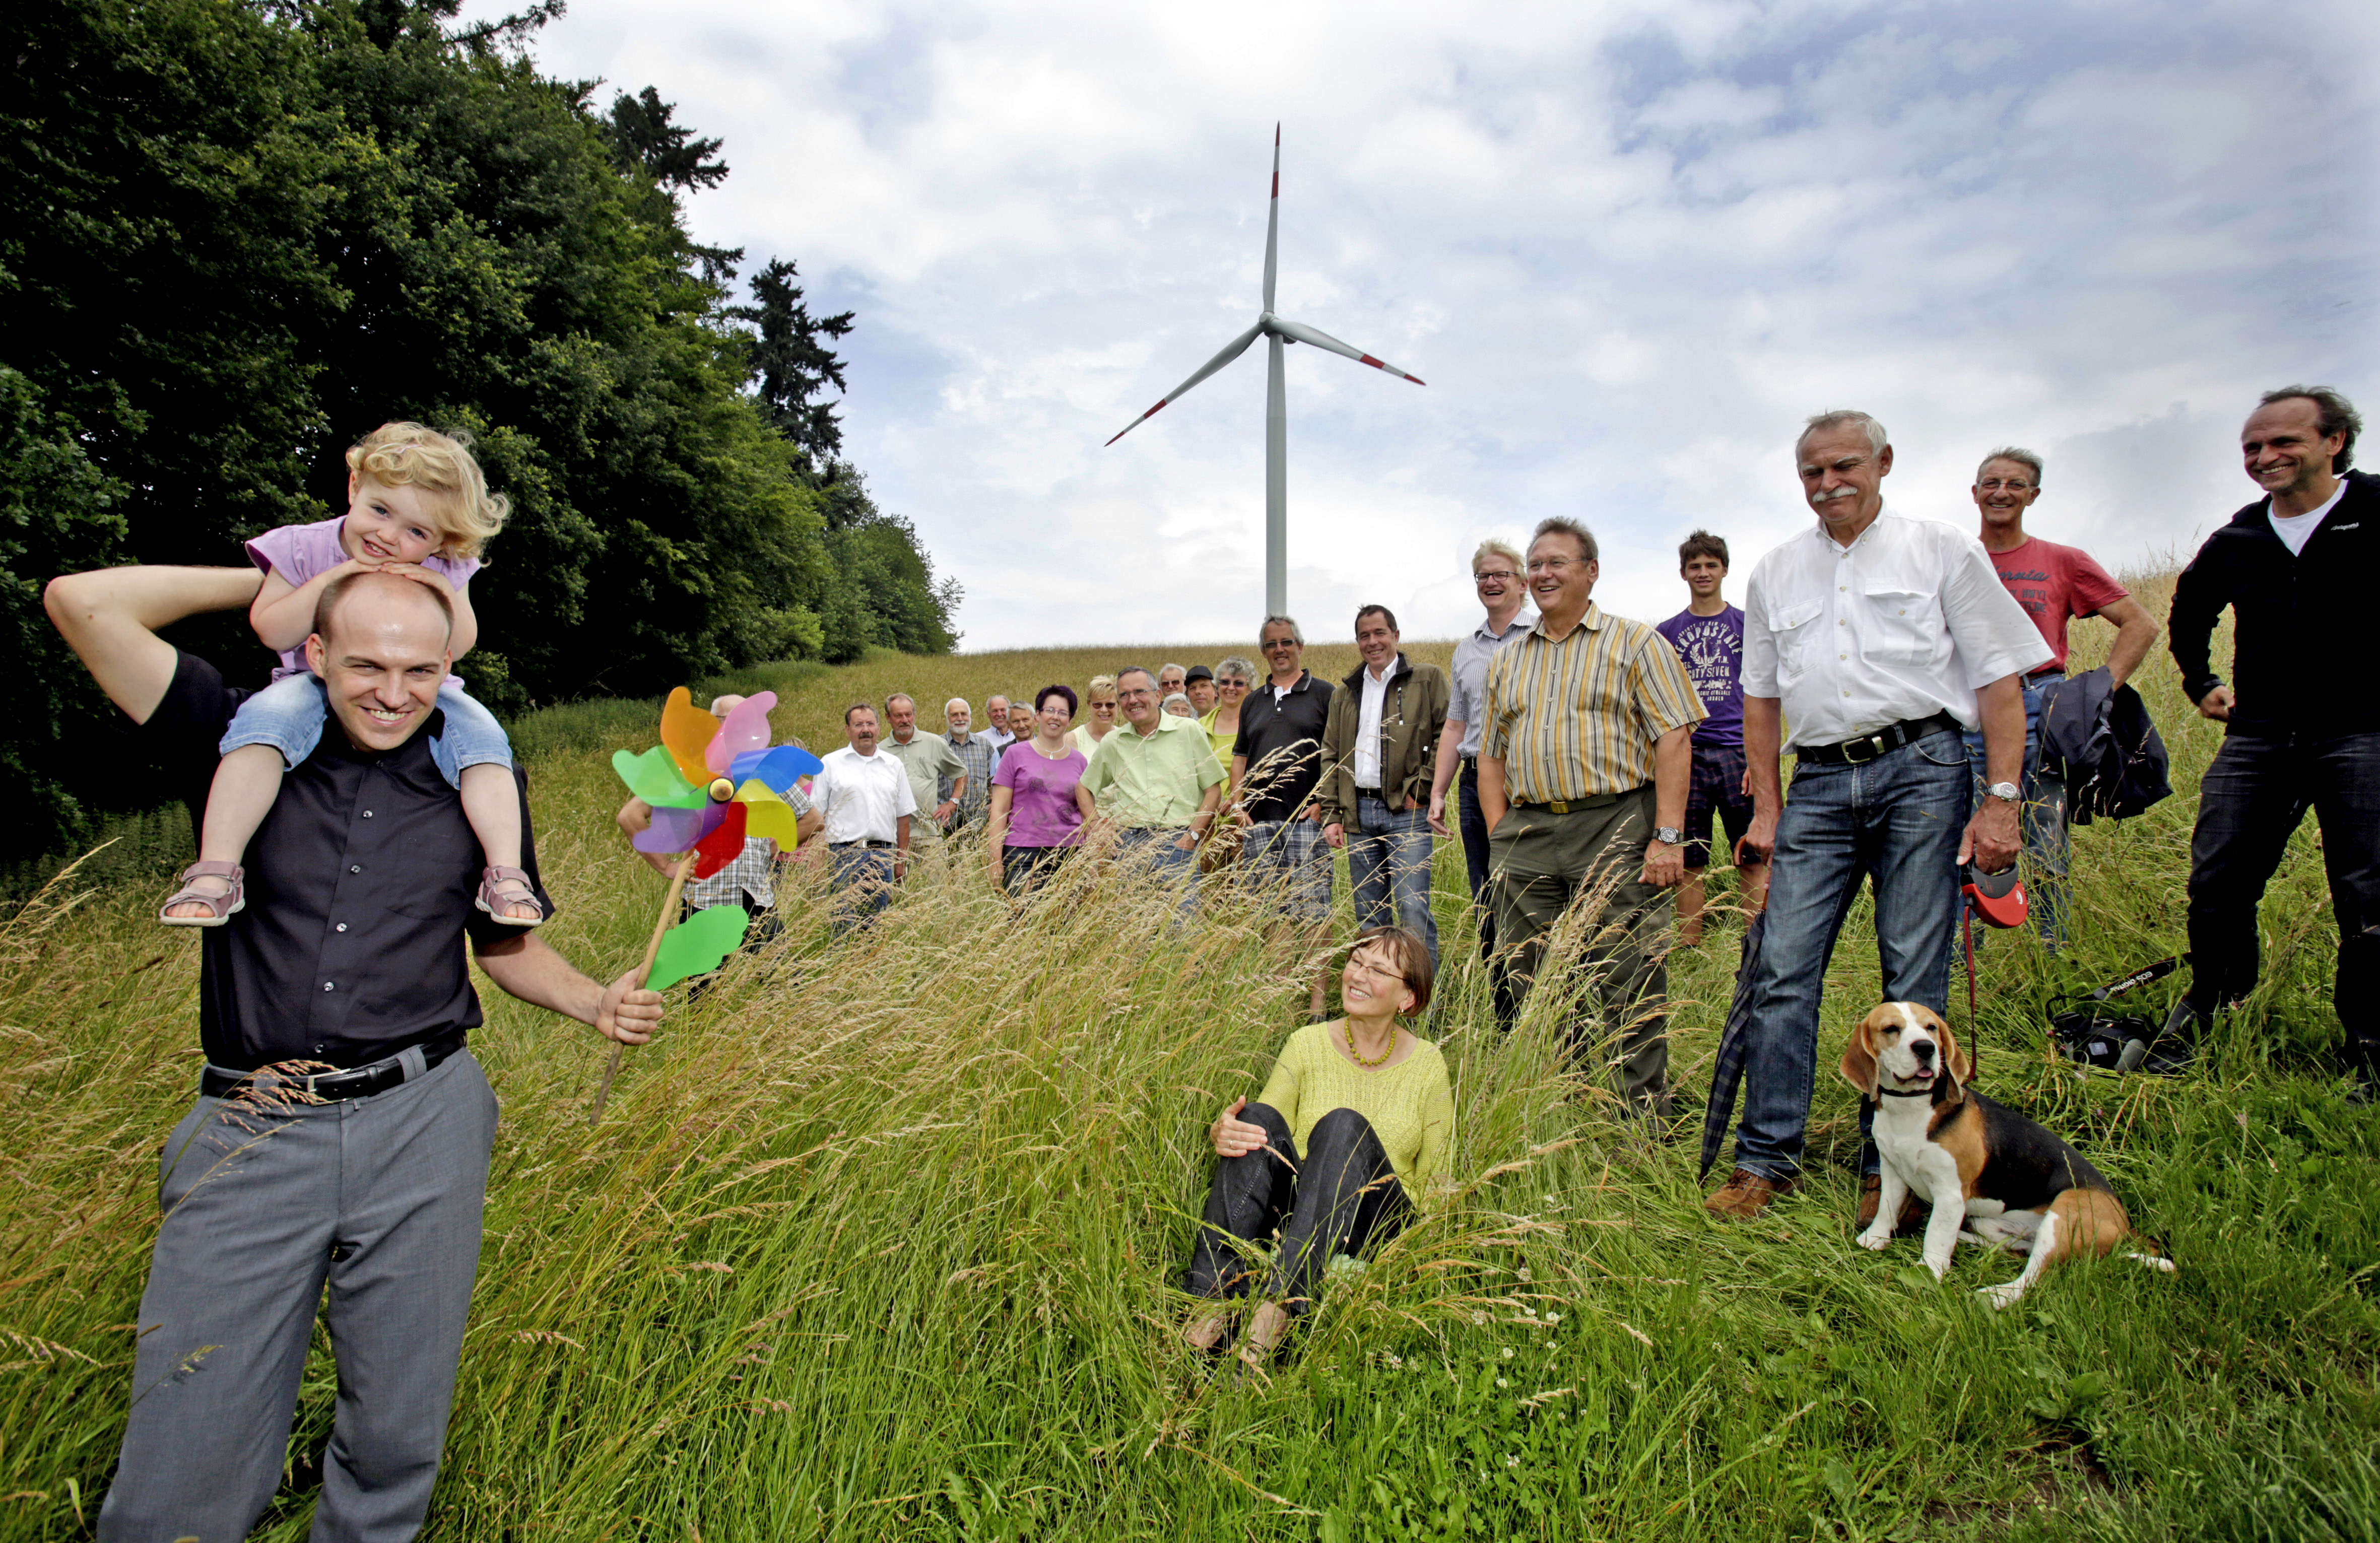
(1410, 1105)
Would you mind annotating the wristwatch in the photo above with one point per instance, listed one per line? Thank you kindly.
(2009, 791)
(1669, 835)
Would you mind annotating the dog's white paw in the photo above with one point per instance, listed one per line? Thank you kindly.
(1876, 1237)
(1941, 1267)
(2002, 1295)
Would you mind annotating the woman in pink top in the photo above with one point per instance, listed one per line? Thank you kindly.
(1038, 803)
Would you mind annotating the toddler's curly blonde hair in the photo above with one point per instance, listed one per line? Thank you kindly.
(442, 465)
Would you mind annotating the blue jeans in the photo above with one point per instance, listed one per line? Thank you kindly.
(1896, 819)
(288, 715)
(863, 885)
(2048, 848)
(1389, 850)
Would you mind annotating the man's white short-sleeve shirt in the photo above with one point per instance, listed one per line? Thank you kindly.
(862, 797)
(1906, 622)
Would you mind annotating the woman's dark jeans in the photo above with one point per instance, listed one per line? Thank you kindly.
(1342, 1198)
(1029, 867)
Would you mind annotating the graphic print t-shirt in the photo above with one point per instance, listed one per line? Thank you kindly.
(1713, 650)
(2054, 584)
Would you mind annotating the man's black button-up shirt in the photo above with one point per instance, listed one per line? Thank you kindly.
(1281, 785)
(360, 884)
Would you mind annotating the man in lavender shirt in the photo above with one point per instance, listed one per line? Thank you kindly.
(1708, 635)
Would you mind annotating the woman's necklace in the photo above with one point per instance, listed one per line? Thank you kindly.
(1357, 1056)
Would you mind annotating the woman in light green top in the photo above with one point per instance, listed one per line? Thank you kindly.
(1371, 1107)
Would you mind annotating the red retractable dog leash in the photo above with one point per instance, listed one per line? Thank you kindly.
(1998, 898)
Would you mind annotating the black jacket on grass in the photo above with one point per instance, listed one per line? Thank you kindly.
(2301, 629)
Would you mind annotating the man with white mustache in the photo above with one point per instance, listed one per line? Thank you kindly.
(1882, 641)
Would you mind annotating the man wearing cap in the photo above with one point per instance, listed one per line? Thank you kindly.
(1881, 640)
(341, 1137)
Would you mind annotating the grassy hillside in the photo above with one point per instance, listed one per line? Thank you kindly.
(880, 1240)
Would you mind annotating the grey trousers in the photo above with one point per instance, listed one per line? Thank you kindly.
(378, 1198)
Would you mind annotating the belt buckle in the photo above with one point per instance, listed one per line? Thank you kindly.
(1558, 806)
(1852, 759)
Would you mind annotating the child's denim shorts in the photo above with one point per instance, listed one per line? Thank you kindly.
(288, 715)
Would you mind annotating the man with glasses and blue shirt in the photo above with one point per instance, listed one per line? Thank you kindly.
(1496, 574)
(1882, 641)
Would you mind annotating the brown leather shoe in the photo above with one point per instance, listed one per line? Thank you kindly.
(1913, 1211)
(1746, 1194)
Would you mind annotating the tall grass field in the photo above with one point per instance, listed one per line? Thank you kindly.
(881, 1239)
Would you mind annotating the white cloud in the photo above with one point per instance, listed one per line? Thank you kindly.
(1629, 247)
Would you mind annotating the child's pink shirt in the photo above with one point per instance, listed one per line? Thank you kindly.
(301, 553)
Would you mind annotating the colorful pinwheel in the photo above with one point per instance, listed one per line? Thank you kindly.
(712, 785)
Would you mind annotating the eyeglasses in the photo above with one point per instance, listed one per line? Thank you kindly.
(1377, 972)
(1553, 565)
(2011, 484)
(1280, 643)
(1133, 696)
(1231, 685)
(1110, 706)
(1494, 576)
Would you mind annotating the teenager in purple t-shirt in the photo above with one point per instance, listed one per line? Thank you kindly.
(418, 507)
(1038, 802)
(1708, 635)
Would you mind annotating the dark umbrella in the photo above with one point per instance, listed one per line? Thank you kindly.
(1727, 1071)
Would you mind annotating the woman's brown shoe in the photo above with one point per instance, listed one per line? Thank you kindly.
(1746, 1194)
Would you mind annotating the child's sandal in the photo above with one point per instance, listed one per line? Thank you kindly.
(501, 887)
(219, 903)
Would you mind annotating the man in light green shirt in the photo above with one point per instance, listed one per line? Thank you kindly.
(927, 757)
(1156, 779)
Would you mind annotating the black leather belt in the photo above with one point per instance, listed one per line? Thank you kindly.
(218, 1082)
(2046, 671)
(1869, 747)
(1362, 792)
(845, 846)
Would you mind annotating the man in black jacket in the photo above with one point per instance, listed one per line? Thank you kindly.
(2302, 730)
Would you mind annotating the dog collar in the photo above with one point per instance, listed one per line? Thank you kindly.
(1909, 1093)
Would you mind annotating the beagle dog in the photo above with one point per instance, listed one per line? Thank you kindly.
(2023, 1188)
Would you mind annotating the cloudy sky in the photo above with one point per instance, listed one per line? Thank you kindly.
(1628, 245)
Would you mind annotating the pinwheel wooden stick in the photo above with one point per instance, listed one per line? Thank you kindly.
(644, 973)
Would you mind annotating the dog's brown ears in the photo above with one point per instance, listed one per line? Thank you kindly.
(1859, 1061)
(1955, 1059)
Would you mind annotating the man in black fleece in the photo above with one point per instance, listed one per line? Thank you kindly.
(2303, 728)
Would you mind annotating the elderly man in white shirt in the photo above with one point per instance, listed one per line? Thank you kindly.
(867, 803)
(1882, 641)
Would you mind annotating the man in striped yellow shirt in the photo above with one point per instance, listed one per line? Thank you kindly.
(1582, 771)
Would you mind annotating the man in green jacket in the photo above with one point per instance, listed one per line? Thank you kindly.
(1380, 745)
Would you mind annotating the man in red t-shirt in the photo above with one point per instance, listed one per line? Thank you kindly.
(2054, 584)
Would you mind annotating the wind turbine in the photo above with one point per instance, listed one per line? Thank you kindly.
(1279, 332)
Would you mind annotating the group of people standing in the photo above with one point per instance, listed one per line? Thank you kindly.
(365, 820)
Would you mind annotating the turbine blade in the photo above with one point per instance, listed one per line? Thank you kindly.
(1272, 222)
(1231, 350)
(1324, 340)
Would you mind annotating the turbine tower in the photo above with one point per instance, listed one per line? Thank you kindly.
(1277, 331)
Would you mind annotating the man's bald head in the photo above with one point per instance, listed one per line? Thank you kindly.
(379, 599)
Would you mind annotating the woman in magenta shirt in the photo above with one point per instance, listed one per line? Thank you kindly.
(1038, 803)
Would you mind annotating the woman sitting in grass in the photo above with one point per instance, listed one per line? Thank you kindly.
(1370, 1107)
